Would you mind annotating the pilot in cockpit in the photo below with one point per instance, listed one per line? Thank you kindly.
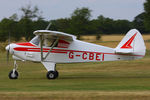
(48, 42)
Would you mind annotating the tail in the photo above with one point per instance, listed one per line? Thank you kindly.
(132, 43)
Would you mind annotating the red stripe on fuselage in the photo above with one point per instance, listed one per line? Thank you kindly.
(26, 44)
(65, 51)
(37, 50)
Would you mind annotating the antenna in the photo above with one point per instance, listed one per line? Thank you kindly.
(48, 26)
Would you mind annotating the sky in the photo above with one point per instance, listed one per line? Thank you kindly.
(54, 9)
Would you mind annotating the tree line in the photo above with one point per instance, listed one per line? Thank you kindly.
(79, 23)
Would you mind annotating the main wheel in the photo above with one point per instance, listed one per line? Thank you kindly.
(13, 74)
(52, 74)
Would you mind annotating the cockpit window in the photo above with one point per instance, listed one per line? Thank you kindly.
(35, 40)
(48, 42)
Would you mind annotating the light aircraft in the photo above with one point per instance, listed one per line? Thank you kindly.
(52, 47)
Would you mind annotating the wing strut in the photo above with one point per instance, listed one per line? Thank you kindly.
(41, 46)
(55, 43)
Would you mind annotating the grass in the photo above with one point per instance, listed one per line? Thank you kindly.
(121, 80)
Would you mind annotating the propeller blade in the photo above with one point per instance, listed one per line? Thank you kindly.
(8, 47)
(7, 56)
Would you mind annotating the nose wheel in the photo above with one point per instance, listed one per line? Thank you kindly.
(13, 74)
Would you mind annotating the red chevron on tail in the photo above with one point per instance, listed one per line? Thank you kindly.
(127, 45)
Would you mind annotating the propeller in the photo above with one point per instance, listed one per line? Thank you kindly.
(7, 56)
(8, 48)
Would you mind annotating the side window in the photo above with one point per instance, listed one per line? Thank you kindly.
(49, 42)
(63, 44)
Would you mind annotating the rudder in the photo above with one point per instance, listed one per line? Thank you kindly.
(132, 43)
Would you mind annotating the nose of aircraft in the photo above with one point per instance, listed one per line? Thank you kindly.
(9, 48)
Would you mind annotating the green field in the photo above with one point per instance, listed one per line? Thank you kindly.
(121, 80)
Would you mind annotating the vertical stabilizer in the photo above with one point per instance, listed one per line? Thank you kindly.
(132, 43)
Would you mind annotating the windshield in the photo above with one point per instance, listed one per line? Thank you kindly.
(35, 40)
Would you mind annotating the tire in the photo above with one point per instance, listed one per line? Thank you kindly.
(52, 74)
(13, 75)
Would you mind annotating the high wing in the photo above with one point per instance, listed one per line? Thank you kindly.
(55, 34)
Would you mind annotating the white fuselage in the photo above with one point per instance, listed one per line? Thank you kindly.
(77, 51)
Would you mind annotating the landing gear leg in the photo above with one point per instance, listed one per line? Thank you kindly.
(51, 68)
(13, 74)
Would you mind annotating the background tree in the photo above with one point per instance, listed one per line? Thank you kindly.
(110, 26)
(14, 17)
(122, 26)
(79, 23)
(138, 22)
(147, 15)
(62, 25)
(80, 20)
(31, 13)
(26, 22)
(104, 25)
(8, 26)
